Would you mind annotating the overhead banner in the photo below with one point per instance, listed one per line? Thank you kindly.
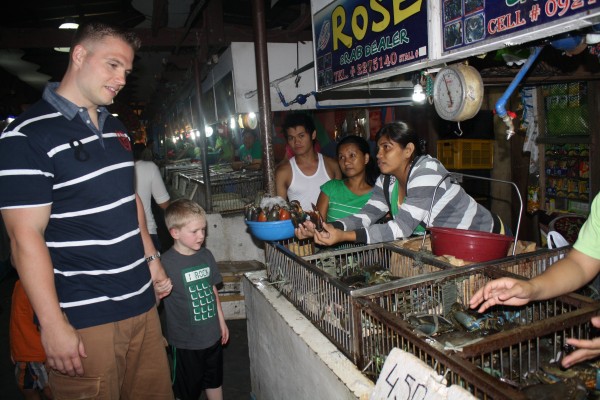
(470, 22)
(356, 39)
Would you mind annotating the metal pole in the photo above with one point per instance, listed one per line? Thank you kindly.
(202, 123)
(264, 94)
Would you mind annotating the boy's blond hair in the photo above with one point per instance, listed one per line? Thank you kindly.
(180, 212)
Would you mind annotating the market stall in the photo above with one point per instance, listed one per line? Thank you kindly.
(421, 306)
(365, 301)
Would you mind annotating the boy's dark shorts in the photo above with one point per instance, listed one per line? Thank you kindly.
(196, 370)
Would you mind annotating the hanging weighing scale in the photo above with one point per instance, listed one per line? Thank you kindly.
(457, 92)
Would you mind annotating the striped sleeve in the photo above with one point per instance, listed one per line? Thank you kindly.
(26, 172)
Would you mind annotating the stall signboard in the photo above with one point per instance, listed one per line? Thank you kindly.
(357, 39)
(467, 23)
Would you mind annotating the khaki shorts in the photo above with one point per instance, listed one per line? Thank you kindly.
(125, 360)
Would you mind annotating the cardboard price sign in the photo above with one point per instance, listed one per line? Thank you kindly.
(405, 377)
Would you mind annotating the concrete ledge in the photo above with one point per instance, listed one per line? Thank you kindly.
(289, 357)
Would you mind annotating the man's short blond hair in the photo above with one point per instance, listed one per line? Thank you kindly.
(95, 31)
(180, 212)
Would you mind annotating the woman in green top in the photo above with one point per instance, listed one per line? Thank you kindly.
(342, 197)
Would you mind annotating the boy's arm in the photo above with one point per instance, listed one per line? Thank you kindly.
(222, 324)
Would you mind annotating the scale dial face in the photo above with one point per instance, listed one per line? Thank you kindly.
(457, 92)
(250, 122)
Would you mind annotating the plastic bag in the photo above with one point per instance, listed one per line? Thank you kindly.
(556, 240)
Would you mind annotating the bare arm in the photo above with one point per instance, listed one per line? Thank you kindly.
(323, 205)
(333, 168)
(158, 189)
(565, 276)
(283, 177)
(222, 323)
(30, 255)
(162, 283)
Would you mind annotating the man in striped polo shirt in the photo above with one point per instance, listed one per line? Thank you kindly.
(77, 229)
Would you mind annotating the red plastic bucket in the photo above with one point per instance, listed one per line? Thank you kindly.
(469, 245)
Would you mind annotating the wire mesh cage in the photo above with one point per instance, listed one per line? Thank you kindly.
(321, 284)
(381, 331)
(230, 191)
(532, 264)
(512, 344)
(172, 172)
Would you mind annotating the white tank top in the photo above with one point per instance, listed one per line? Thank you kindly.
(304, 188)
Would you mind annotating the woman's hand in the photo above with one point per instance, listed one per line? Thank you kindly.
(305, 230)
(329, 235)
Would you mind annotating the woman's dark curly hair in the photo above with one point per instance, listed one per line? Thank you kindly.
(371, 170)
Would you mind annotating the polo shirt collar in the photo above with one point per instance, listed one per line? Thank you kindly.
(64, 106)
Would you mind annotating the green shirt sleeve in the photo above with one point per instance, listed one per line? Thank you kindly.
(588, 240)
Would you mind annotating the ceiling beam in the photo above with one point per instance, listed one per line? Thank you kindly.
(182, 61)
(238, 33)
(214, 23)
(303, 21)
(188, 25)
(160, 15)
(167, 38)
(19, 38)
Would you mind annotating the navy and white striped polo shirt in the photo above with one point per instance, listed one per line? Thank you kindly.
(52, 155)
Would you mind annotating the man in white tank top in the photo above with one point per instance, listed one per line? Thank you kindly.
(300, 178)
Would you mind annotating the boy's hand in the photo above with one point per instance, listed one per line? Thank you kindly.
(162, 288)
(224, 332)
(162, 283)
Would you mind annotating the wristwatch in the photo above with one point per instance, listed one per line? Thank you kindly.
(153, 257)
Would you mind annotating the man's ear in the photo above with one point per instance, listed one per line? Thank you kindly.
(78, 54)
(313, 135)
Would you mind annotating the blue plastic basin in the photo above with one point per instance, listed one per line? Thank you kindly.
(270, 231)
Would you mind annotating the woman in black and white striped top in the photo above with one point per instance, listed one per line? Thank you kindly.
(413, 177)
